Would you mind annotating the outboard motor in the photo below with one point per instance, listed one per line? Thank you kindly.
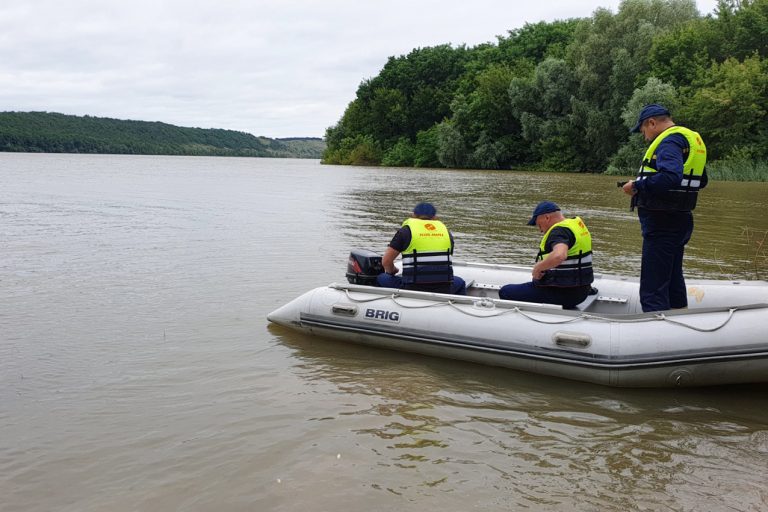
(363, 267)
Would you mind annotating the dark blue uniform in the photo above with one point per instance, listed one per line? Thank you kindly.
(665, 232)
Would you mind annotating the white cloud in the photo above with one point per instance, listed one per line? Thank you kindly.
(273, 68)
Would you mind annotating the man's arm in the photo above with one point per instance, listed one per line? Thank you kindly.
(399, 243)
(558, 255)
(388, 260)
(669, 168)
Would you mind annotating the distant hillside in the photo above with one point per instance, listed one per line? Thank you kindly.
(48, 132)
(304, 147)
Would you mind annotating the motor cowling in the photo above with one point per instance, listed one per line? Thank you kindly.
(363, 267)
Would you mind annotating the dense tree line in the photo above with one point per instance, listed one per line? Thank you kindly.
(562, 95)
(58, 133)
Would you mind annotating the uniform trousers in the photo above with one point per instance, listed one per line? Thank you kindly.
(567, 297)
(455, 287)
(665, 234)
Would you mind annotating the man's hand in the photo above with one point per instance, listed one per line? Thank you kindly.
(629, 188)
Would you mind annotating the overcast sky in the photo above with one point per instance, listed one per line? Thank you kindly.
(277, 68)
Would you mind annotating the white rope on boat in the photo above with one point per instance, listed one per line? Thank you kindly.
(393, 297)
(713, 329)
(346, 291)
(584, 316)
(470, 313)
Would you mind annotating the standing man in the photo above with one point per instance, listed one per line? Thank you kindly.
(563, 271)
(427, 247)
(665, 194)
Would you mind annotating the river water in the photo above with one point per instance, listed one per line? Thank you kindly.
(138, 371)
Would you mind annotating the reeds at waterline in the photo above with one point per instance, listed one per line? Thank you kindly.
(738, 169)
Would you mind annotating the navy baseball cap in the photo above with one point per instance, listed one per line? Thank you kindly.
(652, 110)
(542, 208)
(424, 210)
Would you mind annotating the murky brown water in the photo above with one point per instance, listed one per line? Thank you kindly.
(137, 370)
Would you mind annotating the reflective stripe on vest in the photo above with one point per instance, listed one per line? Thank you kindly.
(427, 259)
(682, 197)
(576, 270)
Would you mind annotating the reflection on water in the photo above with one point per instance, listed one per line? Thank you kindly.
(519, 440)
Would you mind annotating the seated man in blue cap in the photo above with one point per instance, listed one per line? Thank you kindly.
(427, 247)
(563, 270)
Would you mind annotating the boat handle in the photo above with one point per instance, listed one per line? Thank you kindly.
(571, 339)
(344, 309)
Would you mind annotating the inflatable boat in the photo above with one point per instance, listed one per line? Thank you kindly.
(722, 338)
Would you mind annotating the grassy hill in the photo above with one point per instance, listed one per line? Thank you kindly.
(48, 132)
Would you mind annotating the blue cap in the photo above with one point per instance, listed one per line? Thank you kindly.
(542, 208)
(424, 210)
(652, 110)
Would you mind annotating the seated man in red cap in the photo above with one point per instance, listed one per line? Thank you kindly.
(427, 247)
(563, 270)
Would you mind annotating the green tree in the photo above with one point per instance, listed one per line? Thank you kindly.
(681, 56)
(729, 107)
(744, 24)
(402, 154)
(627, 158)
(487, 122)
(451, 147)
(411, 93)
(427, 144)
(544, 105)
(387, 111)
(535, 42)
(609, 56)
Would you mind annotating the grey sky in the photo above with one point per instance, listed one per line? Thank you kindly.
(277, 68)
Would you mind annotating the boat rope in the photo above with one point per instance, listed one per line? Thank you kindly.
(554, 322)
(731, 311)
(584, 316)
(353, 299)
(654, 318)
(394, 296)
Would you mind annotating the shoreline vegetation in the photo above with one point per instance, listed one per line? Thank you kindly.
(563, 95)
(49, 132)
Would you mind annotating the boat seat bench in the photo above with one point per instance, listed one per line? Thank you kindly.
(483, 286)
(583, 305)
